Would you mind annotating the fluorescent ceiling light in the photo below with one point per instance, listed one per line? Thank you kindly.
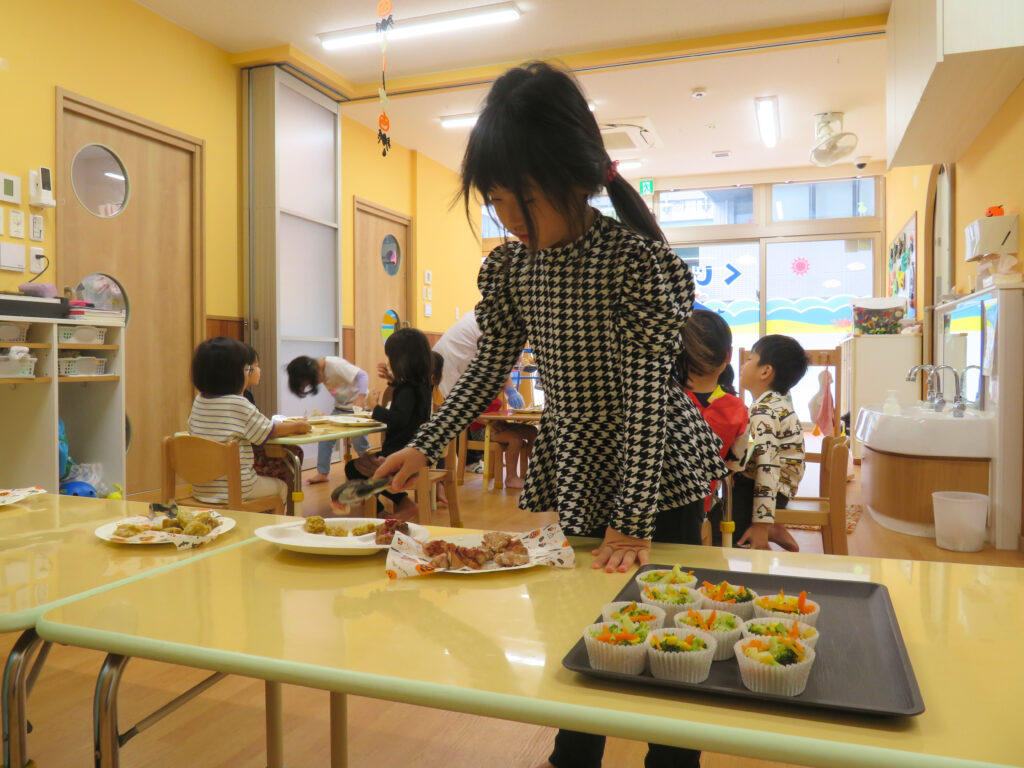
(767, 110)
(419, 26)
(629, 165)
(117, 176)
(459, 121)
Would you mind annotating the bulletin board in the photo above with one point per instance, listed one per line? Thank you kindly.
(901, 266)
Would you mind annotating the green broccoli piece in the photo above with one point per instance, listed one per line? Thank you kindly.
(783, 654)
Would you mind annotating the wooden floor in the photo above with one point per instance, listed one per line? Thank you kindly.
(224, 726)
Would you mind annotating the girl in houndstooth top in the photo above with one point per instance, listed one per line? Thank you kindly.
(622, 454)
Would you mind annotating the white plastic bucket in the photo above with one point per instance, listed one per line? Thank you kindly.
(960, 520)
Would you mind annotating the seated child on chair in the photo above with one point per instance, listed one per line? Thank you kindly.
(516, 440)
(775, 452)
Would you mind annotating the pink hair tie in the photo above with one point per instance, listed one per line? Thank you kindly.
(613, 171)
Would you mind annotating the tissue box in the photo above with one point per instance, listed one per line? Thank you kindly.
(878, 316)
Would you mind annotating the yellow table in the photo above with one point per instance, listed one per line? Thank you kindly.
(488, 419)
(321, 433)
(49, 555)
(492, 645)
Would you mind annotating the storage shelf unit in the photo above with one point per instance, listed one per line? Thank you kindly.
(93, 412)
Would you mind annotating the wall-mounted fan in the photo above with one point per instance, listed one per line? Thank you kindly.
(831, 144)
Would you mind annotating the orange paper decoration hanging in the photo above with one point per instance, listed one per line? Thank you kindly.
(383, 122)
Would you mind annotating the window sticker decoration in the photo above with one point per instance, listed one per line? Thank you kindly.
(390, 255)
(383, 121)
(389, 323)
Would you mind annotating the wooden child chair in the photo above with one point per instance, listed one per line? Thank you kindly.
(426, 480)
(198, 460)
(827, 510)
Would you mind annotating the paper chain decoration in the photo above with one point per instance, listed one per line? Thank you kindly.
(383, 123)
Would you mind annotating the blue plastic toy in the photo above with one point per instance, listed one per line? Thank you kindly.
(77, 488)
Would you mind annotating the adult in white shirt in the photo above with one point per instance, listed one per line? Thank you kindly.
(458, 348)
(349, 385)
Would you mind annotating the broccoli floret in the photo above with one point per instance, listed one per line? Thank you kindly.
(783, 654)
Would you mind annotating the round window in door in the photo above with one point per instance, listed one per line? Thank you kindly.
(390, 255)
(100, 180)
(389, 323)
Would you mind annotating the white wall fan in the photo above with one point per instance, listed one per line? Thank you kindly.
(831, 143)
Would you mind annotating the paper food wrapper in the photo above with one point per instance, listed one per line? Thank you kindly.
(14, 495)
(545, 546)
(179, 540)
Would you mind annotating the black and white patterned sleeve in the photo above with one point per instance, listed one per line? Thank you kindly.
(657, 299)
(503, 336)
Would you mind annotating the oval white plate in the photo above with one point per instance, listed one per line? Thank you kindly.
(475, 540)
(106, 531)
(291, 536)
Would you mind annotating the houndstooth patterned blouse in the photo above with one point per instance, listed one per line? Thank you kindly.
(618, 441)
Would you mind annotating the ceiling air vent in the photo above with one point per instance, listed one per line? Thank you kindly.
(721, 154)
(629, 133)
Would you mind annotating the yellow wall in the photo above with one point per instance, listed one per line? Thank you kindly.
(991, 172)
(906, 192)
(123, 55)
(442, 241)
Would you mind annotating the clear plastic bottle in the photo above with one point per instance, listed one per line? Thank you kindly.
(892, 403)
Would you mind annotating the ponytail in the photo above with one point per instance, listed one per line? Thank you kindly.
(631, 208)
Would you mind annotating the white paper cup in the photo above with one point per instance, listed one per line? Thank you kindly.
(724, 639)
(806, 642)
(628, 659)
(743, 610)
(691, 667)
(783, 681)
(638, 579)
(807, 618)
(671, 609)
(611, 608)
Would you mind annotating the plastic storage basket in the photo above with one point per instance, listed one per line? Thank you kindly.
(21, 368)
(80, 334)
(13, 331)
(85, 365)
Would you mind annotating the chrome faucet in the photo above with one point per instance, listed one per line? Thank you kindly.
(929, 370)
(979, 403)
(958, 400)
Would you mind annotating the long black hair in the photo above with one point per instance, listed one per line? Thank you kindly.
(536, 128)
(408, 353)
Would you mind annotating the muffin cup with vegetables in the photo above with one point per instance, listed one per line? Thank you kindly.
(774, 665)
(783, 606)
(681, 654)
(659, 578)
(671, 598)
(617, 646)
(723, 626)
(731, 598)
(766, 627)
(651, 615)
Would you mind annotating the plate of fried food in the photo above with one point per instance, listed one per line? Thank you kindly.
(184, 527)
(339, 536)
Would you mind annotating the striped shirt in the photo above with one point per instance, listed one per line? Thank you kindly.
(225, 418)
(775, 452)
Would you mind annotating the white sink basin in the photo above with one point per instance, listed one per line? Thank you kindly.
(919, 431)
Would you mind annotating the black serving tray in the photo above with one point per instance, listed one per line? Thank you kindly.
(861, 664)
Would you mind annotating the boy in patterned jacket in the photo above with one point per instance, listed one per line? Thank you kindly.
(774, 461)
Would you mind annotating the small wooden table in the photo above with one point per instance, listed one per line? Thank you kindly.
(321, 433)
(516, 417)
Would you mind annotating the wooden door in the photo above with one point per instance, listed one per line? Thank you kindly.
(381, 280)
(153, 246)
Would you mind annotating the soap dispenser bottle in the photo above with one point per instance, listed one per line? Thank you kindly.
(892, 405)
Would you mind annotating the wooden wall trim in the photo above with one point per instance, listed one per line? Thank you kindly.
(232, 327)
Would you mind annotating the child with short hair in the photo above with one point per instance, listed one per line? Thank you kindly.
(775, 452)
(220, 412)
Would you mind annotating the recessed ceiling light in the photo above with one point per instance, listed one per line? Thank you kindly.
(459, 121)
(767, 111)
(699, 93)
(419, 26)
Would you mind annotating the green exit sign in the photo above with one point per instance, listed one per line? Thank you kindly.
(646, 186)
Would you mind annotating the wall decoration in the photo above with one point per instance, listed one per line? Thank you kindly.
(390, 255)
(383, 121)
(901, 265)
(389, 323)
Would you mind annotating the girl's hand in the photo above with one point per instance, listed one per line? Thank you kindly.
(620, 552)
(384, 371)
(403, 464)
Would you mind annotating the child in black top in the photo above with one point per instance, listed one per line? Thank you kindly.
(410, 364)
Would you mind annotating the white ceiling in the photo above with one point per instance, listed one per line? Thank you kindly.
(847, 77)
(546, 28)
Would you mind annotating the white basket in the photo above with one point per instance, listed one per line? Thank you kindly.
(23, 368)
(80, 334)
(13, 331)
(85, 365)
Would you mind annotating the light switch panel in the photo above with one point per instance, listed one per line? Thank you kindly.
(12, 257)
(428, 277)
(428, 310)
(3, 215)
(17, 223)
(35, 227)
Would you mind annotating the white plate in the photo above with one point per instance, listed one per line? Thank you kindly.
(106, 531)
(476, 540)
(292, 536)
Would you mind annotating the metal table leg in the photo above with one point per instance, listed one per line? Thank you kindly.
(275, 726)
(279, 452)
(15, 696)
(105, 738)
(339, 730)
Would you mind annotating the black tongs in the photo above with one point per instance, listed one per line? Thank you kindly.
(355, 491)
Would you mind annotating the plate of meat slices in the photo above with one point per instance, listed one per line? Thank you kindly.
(473, 553)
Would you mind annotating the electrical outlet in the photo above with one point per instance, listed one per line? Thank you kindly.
(36, 260)
(35, 227)
(428, 310)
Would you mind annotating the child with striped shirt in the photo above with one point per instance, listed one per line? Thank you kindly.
(220, 412)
